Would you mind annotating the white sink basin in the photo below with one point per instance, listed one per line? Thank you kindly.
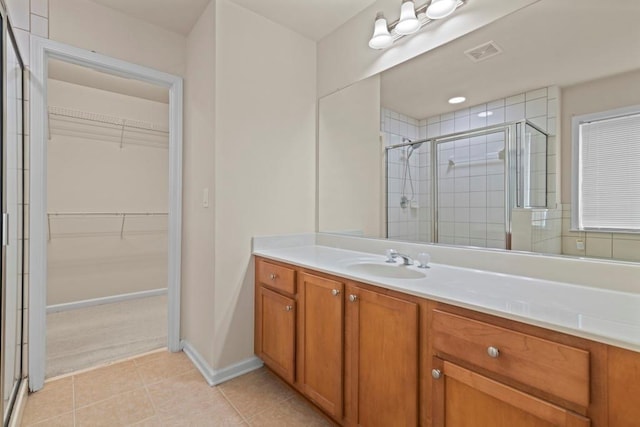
(394, 271)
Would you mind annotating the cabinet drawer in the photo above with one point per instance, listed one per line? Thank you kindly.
(551, 367)
(277, 277)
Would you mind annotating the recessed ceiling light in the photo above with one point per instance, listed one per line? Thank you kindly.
(457, 100)
(485, 114)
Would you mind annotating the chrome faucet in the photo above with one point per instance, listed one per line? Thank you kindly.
(392, 254)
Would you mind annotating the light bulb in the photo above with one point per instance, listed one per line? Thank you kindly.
(439, 9)
(408, 23)
(381, 38)
(457, 100)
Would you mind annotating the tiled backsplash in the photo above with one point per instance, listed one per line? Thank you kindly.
(620, 246)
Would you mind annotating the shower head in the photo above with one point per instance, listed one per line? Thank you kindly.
(412, 147)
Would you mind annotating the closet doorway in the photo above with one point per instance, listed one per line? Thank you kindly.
(107, 209)
(105, 213)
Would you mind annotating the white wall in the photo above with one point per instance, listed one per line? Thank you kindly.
(350, 156)
(344, 56)
(198, 235)
(264, 158)
(98, 28)
(91, 172)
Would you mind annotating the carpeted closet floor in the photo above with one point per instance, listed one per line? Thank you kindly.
(88, 337)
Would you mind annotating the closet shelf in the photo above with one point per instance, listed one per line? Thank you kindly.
(82, 124)
(123, 215)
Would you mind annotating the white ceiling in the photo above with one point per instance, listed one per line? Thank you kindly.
(174, 15)
(311, 18)
(550, 42)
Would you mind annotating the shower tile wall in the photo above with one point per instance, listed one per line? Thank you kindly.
(475, 222)
(410, 223)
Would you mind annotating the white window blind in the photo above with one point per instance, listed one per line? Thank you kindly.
(609, 173)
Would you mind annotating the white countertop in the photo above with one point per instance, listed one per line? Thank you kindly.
(607, 316)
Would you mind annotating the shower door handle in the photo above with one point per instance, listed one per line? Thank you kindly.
(5, 229)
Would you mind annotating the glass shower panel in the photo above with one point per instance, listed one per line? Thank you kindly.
(13, 176)
(532, 167)
(408, 184)
(470, 190)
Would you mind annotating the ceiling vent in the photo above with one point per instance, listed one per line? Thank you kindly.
(484, 51)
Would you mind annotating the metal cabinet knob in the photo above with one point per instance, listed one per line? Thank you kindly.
(335, 292)
(493, 352)
(353, 298)
(289, 308)
(273, 276)
(436, 374)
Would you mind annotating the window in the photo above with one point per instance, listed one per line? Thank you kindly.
(606, 171)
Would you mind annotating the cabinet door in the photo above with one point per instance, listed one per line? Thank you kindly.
(383, 351)
(277, 332)
(464, 398)
(321, 356)
(624, 382)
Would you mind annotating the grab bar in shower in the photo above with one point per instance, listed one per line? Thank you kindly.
(498, 155)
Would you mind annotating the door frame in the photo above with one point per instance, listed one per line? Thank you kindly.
(41, 51)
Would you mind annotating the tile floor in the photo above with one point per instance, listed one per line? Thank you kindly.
(165, 389)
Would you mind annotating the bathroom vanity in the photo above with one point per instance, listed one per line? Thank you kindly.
(432, 349)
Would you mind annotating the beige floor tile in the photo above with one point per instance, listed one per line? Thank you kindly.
(184, 385)
(219, 413)
(155, 356)
(124, 409)
(103, 383)
(65, 420)
(255, 392)
(140, 393)
(161, 366)
(293, 412)
(149, 422)
(56, 398)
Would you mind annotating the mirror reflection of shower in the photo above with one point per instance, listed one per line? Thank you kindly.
(407, 199)
(464, 188)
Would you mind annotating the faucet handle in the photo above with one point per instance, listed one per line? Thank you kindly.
(423, 260)
(391, 255)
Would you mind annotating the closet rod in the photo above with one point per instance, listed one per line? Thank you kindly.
(60, 112)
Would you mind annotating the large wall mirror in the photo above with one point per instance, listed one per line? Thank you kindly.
(397, 160)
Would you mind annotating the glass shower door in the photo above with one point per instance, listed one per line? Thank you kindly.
(12, 227)
(470, 189)
(531, 166)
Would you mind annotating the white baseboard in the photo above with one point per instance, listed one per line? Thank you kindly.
(104, 300)
(215, 377)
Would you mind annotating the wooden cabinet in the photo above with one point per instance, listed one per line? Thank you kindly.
(623, 387)
(275, 318)
(487, 375)
(524, 358)
(464, 398)
(383, 359)
(277, 331)
(321, 342)
(368, 356)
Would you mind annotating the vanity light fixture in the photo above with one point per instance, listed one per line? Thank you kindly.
(412, 19)
(408, 23)
(439, 9)
(457, 100)
(381, 38)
